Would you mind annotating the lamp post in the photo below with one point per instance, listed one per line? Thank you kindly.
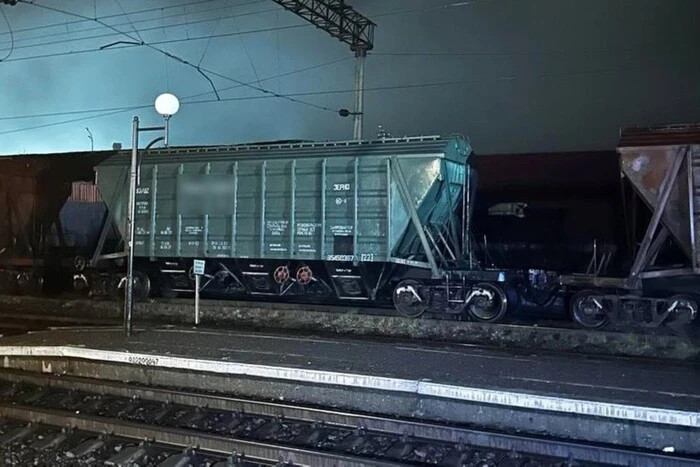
(166, 105)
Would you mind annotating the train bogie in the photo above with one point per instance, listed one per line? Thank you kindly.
(481, 301)
(597, 308)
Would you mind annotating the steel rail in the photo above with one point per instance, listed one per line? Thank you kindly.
(260, 452)
(43, 444)
(528, 445)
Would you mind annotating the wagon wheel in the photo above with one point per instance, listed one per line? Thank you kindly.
(281, 274)
(304, 275)
(142, 287)
(79, 263)
(487, 303)
(681, 308)
(410, 299)
(24, 282)
(589, 309)
(80, 283)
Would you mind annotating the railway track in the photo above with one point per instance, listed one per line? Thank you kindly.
(269, 432)
(42, 444)
(530, 317)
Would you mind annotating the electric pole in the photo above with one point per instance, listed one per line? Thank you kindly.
(347, 25)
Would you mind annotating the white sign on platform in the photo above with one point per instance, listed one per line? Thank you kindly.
(198, 270)
(199, 267)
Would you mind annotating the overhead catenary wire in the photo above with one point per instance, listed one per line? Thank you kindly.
(430, 8)
(319, 93)
(111, 111)
(54, 42)
(92, 117)
(181, 60)
(126, 15)
(136, 42)
(117, 15)
(186, 13)
(247, 52)
(84, 18)
(206, 46)
(596, 50)
(12, 37)
(184, 99)
(193, 3)
(277, 29)
(115, 111)
(198, 68)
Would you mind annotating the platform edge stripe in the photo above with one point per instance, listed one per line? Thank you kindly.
(221, 367)
(560, 404)
(424, 388)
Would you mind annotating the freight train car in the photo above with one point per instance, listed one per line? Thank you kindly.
(37, 250)
(402, 222)
(356, 221)
(661, 167)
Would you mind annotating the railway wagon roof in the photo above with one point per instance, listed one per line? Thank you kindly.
(452, 148)
(668, 135)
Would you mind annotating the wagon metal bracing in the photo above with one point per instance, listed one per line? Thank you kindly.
(666, 177)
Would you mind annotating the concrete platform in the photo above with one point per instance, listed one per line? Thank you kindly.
(623, 401)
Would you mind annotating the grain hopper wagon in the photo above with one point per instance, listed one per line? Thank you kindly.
(353, 221)
(662, 166)
(35, 246)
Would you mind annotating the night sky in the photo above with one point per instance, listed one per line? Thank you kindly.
(513, 75)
